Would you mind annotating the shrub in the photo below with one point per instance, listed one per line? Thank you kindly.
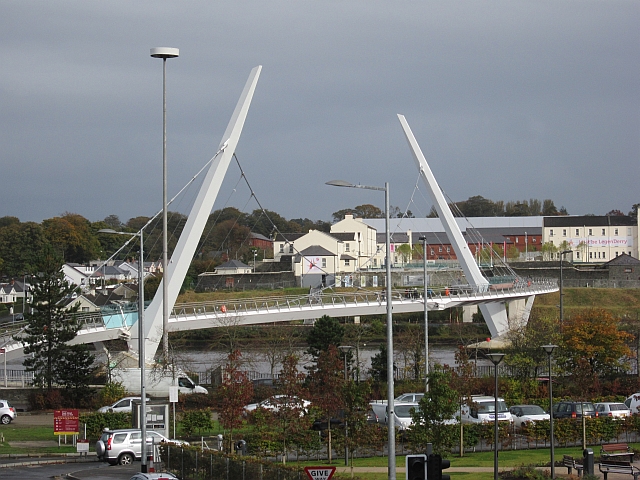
(96, 422)
(196, 421)
(111, 393)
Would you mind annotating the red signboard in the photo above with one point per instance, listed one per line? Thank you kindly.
(66, 422)
(320, 473)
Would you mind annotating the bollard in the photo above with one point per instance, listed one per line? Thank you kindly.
(220, 444)
(241, 447)
(587, 456)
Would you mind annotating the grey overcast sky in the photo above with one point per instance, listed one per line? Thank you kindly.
(509, 99)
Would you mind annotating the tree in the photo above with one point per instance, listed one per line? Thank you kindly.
(593, 345)
(235, 392)
(51, 325)
(405, 252)
(71, 236)
(438, 405)
(477, 206)
(548, 208)
(113, 221)
(326, 331)
(21, 245)
(76, 374)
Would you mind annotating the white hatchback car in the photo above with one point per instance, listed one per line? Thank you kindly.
(612, 409)
(527, 413)
(7, 412)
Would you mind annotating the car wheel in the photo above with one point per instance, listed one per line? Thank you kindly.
(125, 459)
(6, 419)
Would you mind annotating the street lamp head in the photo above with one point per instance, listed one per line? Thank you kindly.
(165, 52)
(549, 349)
(564, 252)
(345, 348)
(422, 239)
(495, 358)
(339, 183)
(107, 230)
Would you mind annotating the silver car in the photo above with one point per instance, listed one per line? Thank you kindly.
(125, 445)
(7, 412)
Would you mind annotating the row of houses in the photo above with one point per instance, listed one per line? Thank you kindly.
(356, 245)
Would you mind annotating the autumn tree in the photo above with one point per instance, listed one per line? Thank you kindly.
(234, 393)
(72, 238)
(21, 245)
(593, 346)
(326, 387)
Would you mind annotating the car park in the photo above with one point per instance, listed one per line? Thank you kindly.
(123, 405)
(523, 414)
(7, 412)
(612, 409)
(123, 446)
(574, 409)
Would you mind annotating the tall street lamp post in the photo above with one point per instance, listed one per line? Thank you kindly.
(562, 254)
(164, 53)
(495, 358)
(391, 447)
(426, 315)
(345, 349)
(141, 339)
(549, 351)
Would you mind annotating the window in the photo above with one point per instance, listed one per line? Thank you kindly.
(448, 251)
(577, 254)
(517, 239)
(291, 248)
(375, 262)
(615, 232)
(551, 232)
(282, 248)
(577, 232)
(603, 255)
(439, 249)
(324, 263)
(346, 264)
(564, 232)
(590, 256)
(590, 231)
(346, 247)
(534, 239)
(432, 252)
(603, 232)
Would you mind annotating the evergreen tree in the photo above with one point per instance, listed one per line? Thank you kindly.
(325, 332)
(52, 323)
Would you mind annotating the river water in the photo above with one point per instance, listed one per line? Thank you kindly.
(258, 360)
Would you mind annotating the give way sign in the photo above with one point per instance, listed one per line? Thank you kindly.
(320, 473)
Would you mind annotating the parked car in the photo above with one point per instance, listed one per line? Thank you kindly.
(482, 410)
(527, 413)
(7, 412)
(574, 409)
(633, 403)
(402, 415)
(612, 409)
(123, 405)
(275, 402)
(123, 446)
(372, 417)
(154, 476)
(409, 398)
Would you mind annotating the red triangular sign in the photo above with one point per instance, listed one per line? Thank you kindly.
(320, 473)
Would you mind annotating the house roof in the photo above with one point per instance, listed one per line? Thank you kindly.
(343, 236)
(316, 251)
(623, 259)
(347, 257)
(233, 264)
(287, 237)
(259, 236)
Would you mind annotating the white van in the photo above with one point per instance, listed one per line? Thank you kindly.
(633, 403)
(482, 410)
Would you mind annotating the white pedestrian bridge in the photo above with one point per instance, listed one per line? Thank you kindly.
(98, 327)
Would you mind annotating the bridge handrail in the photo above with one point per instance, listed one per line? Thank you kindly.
(360, 296)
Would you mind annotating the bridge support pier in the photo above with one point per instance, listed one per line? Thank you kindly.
(467, 313)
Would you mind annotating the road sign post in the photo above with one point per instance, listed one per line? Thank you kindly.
(320, 473)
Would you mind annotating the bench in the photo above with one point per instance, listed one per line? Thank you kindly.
(620, 467)
(616, 451)
(570, 462)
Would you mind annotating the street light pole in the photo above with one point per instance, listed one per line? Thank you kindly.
(391, 447)
(562, 254)
(495, 358)
(549, 351)
(426, 315)
(141, 340)
(344, 349)
(164, 53)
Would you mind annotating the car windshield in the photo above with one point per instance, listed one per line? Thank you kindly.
(532, 410)
(489, 407)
